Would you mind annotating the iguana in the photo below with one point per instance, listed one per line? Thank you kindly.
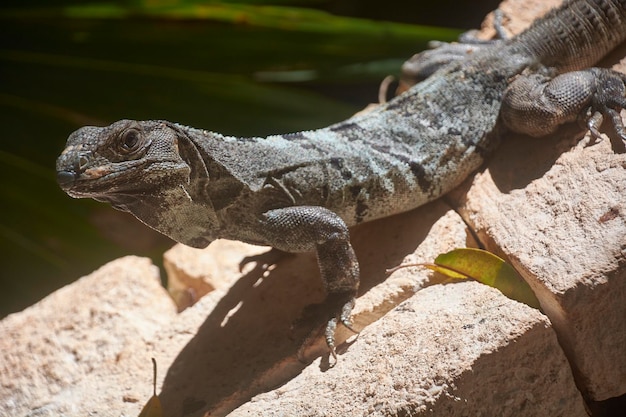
(301, 191)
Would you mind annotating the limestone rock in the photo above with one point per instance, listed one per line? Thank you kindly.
(62, 355)
(193, 273)
(450, 350)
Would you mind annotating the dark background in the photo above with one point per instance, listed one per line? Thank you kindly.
(249, 70)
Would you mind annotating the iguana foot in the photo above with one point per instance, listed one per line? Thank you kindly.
(324, 318)
(331, 326)
(424, 64)
(608, 100)
(537, 104)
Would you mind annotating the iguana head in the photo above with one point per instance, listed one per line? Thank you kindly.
(125, 158)
(150, 169)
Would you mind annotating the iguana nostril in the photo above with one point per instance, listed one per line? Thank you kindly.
(66, 177)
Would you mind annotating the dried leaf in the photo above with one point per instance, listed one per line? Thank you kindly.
(153, 406)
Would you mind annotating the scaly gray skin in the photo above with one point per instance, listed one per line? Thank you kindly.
(300, 192)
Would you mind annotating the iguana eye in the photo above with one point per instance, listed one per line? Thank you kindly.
(130, 140)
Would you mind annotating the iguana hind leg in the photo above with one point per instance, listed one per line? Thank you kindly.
(538, 104)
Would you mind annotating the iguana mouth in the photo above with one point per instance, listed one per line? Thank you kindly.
(98, 181)
(109, 182)
(68, 178)
(83, 181)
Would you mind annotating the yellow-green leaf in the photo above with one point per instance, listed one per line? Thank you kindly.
(152, 408)
(487, 268)
(445, 271)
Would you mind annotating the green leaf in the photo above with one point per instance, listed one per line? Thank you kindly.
(445, 271)
(268, 16)
(487, 268)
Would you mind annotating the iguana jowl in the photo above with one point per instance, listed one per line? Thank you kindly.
(299, 192)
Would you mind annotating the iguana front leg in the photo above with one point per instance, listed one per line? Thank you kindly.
(314, 228)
